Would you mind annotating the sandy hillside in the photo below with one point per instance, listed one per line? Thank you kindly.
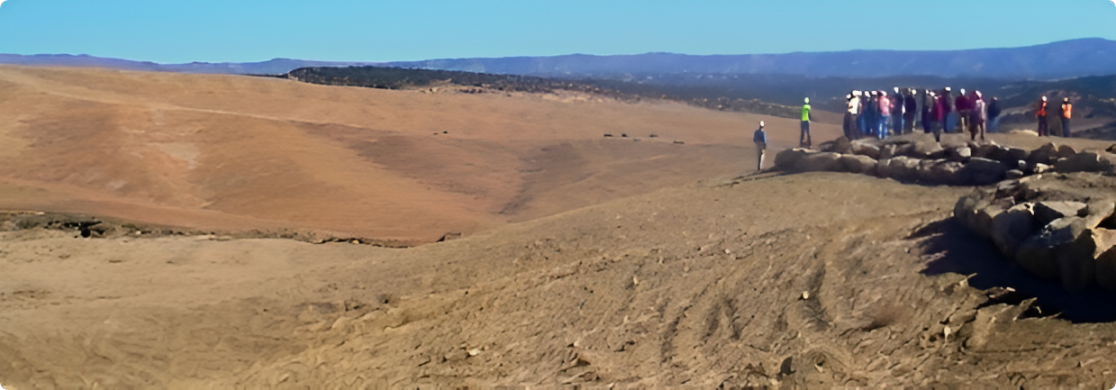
(236, 153)
(626, 264)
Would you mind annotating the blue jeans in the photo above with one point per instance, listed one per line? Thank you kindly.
(862, 124)
(897, 123)
(993, 124)
(951, 121)
(804, 137)
(1066, 127)
(881, 128)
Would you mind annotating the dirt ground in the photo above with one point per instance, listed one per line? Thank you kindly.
(631, 277)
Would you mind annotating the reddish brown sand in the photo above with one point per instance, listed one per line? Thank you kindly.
(231, 153)
(801, 281)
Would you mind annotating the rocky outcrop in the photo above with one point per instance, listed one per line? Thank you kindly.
(920, 159)
(1058, 227)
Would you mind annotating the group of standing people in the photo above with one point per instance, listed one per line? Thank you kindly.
(876, 114)
(1065, 113)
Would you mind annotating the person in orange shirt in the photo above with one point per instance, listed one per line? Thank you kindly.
(1040, 114)
(1067, 112)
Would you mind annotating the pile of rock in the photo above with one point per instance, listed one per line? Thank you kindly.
(918, 158)
(1056, 226)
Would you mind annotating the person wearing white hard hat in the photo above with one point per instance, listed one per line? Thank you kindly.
(760, 139)
(804, 139)
(851, 111)
(897, 112)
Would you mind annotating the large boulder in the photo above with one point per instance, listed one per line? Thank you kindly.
(928, 148)
(887, 151)
(1087, 161)
(903, 168)
(1045, 154)
(1012, 156)
(1064, 151)
(1098, 211)
(990, 151)
(1049, 211)
(840, 145)
(1038, 254)
(984, 218)
(858, 164)
(961, 153)
(982, 171)
(819, 162)
(866, 149)
(1105, 257)
(965, 211)
(1012, 227)
(939, 172)
(1076, 261)
(787, 159)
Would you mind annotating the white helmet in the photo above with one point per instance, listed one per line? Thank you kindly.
(807, 100)
(962, 91)
(761, 123)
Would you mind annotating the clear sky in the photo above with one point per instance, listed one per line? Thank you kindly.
(173, 31)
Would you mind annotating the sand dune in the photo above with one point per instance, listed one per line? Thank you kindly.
(228, 152)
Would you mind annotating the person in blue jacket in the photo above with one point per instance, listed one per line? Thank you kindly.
(760, 138)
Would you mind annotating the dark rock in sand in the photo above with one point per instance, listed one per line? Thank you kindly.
(1087, 162)
(858, 164)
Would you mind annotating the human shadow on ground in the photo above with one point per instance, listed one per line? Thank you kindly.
(963, 252)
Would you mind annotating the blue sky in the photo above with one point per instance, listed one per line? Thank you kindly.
(349, 30)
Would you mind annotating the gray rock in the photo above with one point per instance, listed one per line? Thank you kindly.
(1012, 227)
(1013, 174)
(819, 162)
(1049, 211)
(1038, 254)
(787, 159)
(963, 153)
(1076, 261)
(1043, 155)
(1087, 161)
(1039, 169)
(927, 148)
(887, 151)
(1105, 257)
(1064, 151)
(984, 218)
(903, 168)
(858, 164)
(1098, 211)
(840, 145)
(1013, 156)
(965, 211)
(865, 149)
(982, 171)
(883, 169)
(989, 151)
(939, 172)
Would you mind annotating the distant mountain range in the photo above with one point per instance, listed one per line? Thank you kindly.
(1075, 58)
(1066, 59)
(274, 66)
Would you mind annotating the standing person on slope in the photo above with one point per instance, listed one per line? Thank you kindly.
(1040, 114)
(804, 139)
(910, 107)
(993, 115)
(852, 110)
(979, 115)
(760, 138)
(885, 115)
(1066, 111)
